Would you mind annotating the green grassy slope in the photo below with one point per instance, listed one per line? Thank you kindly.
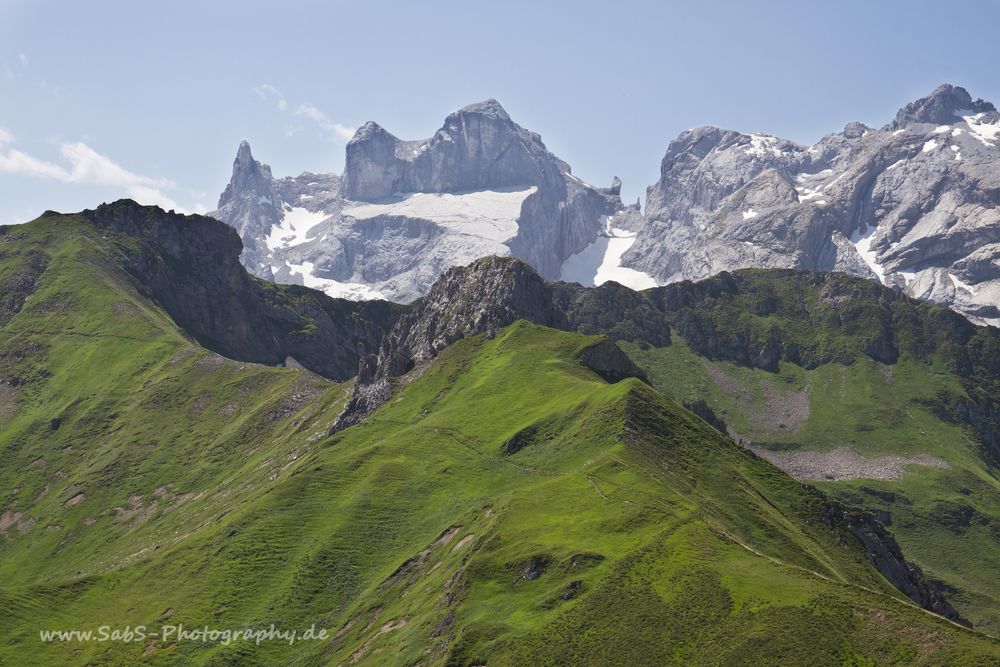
(945, 519)
(507, 506)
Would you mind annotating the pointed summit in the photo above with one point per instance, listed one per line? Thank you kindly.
(941, 107)
(243, 155)
(249, 175)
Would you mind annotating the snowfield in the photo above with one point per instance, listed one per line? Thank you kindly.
(488, 214)
(294, 228)
(601, 261)
(334, 288)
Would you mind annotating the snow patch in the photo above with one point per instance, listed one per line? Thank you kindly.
(749, 213)
(601, 261)
(834, 181)
(941, 129)
(962, 285)
(489, 214)
(334, 288)
(294, 227)
(895, 164)
(762, 145)
(985, 132)
(929, 146)
(863, 244)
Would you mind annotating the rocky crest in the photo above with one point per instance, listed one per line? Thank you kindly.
(190, 266)
(883, 552)
(484, 297)
(407, 211)
(915, 204)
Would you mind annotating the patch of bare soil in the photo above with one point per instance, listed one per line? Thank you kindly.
(842, 463)
(8, 400)
(782, 412)
(10, 519)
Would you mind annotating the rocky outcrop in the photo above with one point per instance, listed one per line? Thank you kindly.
(610, 362)
(482, 298)
(701, 408)
(22, 281)
(477, 147)
(914, 204)
(945, 105)
(190, 266)
(255, 204)
(884, 554)
(407, 211)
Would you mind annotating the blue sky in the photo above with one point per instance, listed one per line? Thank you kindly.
(100, 100)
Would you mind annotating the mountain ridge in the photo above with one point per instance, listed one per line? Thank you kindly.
(405, 211)
(516, 467)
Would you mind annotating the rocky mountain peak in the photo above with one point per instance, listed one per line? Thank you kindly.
(243, 154)
(940, 107)
(477, 147)
(368, 131)
(249, 175)
(490, 108)
(855, 130)
(616, 186)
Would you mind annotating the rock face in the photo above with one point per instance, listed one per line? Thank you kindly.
(884, 554)
(483, 297)
(407, 211)
(914, 204)
(190, 266)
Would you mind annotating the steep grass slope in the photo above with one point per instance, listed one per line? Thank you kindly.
(507, 506)
(796, 363)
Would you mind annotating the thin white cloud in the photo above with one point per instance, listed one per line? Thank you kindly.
(331, 129)
(23, 59)
(90, 167)
(85, 166)
(18, 162)
(270, 92)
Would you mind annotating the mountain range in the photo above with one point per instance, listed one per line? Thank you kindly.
(458, 407)
(912, 204)
(516, 472)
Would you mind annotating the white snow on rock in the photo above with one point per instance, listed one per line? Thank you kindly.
(962, 285)
(863, 244)
(749, 213)
(294, 228)
(489, 214)
(929, 146)
(334, 288)
(814, 190)
(985, 132)
(762, 145)
(601, 261)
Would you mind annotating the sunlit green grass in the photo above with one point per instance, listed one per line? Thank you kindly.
(625, 531)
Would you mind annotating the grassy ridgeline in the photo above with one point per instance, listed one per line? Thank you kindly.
(507, 506)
